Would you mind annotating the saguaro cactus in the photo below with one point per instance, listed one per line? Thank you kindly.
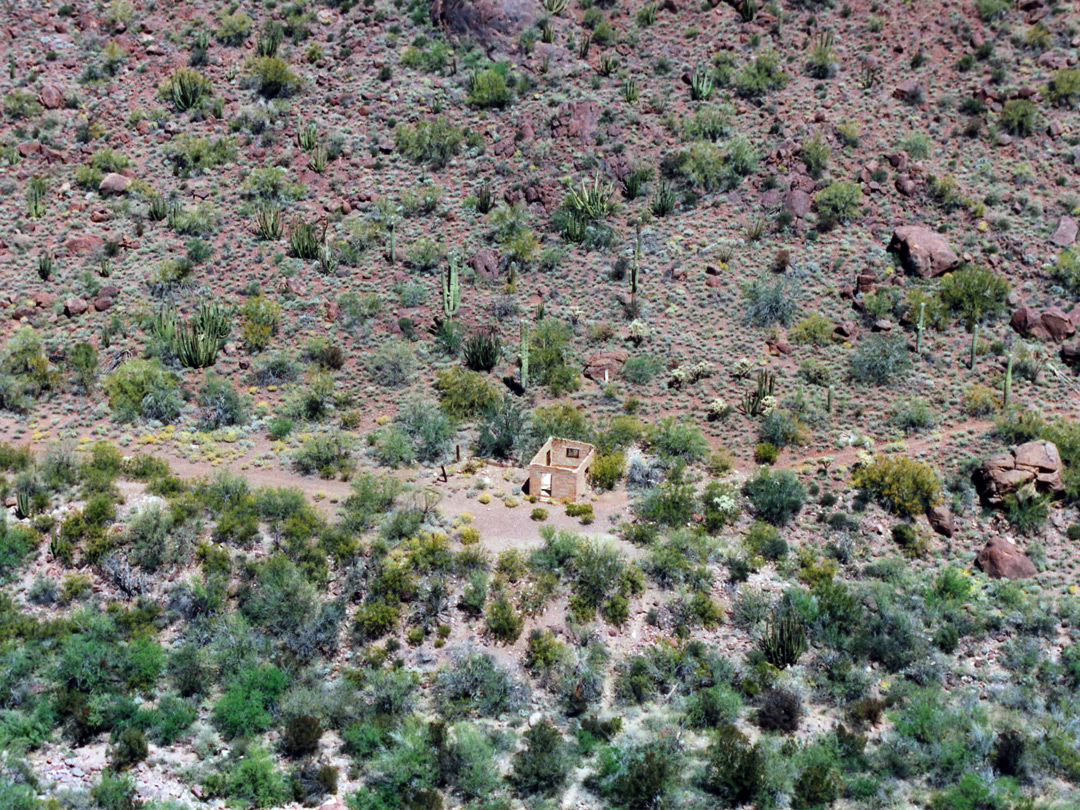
(1008, 383)
(918, 334)
(523, 353)
(451, 287)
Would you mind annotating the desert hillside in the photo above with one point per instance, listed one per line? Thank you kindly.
(502, 404)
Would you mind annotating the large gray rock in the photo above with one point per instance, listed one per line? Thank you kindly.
(923, 252)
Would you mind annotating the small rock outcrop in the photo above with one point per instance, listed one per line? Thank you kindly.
(941, 520)
(1001, 559)
(1065, 232)
(1051, 323)
(1037, 463)
(923, 252)
(113, 183)
(604, 366)
(75, 306)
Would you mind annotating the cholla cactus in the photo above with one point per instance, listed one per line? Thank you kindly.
(742, 368)
(639, 331)
(690, 373)
(718, 409)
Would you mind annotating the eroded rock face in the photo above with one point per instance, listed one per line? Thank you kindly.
(1001, 559)
(923, 252)
(1051, 323)
(1036, 463)
(576, 119)
(1065, 232)
(486, 263)
(490, 22)
(603, 367)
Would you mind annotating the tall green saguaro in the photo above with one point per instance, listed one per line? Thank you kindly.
(523, 353)
(451, 287)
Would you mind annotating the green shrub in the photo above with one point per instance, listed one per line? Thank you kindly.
(428, 428)
(677, 440)
(760, 76)
(838, 203)
(543, 651)
(780, 428)
(912, 416)
(190, 155)
(641, 368)
(143, 389)
(719, 506)
(220, 404)
(260, 319)
(115, 792)
(766, 453)
(327, 454)
(976, 294)
(130, 749)
(503, 621)
(881, 360)
(472, 684)
(465, 394)
(734, 769)
(301, 736)
(246, 705)
(639, 775)
(434, 141)
(1067, 269)
(189, 671)
(1064, 87)
(713, 707)
(904, 486)
(815, 153)
(375, 619)
(272, 77)
(765, 540)
(815, 329)
(255, 781)
(550, 359)
(501, 430)
(1018, 116)
(1027, 514)
(541, 767)
(770, 300)
(776, 496)
(233, 29)
(779, 710)
(488, 88)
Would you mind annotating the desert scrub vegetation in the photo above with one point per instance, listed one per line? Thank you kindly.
(272, 77)
(361, 265)
(903, 485)
(433, 141)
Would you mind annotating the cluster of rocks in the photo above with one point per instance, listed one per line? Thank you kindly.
(1037, 464)
(1034, 467)
(1049, 323)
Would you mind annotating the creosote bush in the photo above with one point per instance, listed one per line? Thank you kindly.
(903, 485)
